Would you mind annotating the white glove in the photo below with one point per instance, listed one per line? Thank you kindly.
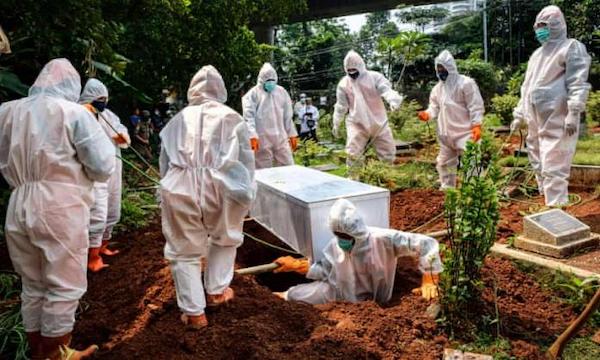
(517, 124)
(395, 106)
(571, 123)
(336, 131)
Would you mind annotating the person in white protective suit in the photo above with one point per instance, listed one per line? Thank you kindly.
(51, 152)
(359, 95)
(359, 263)
(458, 106)
(106, 211)
(268, 112)
(553, 96)
(207, 186)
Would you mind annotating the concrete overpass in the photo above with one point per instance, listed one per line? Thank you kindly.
(324, 9)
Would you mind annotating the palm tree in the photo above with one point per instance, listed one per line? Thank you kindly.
(409, 46)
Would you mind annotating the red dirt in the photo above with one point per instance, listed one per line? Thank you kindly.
(130, 309)
(414, 207)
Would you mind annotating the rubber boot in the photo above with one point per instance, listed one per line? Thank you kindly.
(220, 299)
(35, 345)
(104, 250)
(194, 322)
(57, 348)
(95, 262)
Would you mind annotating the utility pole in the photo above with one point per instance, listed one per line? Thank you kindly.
(485, 34)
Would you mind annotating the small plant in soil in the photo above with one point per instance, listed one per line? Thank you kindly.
(13, 343)
(472, 214)
(309, 152)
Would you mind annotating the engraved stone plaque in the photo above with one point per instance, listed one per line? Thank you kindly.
(555, 233)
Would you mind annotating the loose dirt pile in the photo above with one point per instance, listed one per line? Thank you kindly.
(131, 311)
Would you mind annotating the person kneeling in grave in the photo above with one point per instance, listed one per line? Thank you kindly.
(359, 263)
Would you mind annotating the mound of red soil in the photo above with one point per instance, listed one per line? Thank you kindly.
(414, 207)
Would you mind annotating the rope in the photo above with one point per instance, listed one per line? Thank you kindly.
(139, 170)
(433, 219)
(130, 147)
(270, 245)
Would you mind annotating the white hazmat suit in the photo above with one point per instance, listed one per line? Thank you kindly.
(51, 152)
(368, 271)
(458, 106)
(553, 96)
(360, 98)
(207, 186)
(106, 211)
(269, 118)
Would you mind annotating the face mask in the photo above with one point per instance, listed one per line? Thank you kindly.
(354, 75)
(270, 85)
(99, 105)
(303, 101)
(542, 34)
(345, 244)
(442, 75)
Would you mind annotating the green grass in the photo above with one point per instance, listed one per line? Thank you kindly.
(581, 349)
(397, 177)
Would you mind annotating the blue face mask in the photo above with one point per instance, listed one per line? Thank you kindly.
(345, 244)
(542, 34)
(99, 105)
(270, 85)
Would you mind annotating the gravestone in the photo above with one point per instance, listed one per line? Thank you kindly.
(555, 233)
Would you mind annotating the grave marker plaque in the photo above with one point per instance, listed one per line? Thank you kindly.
(555, 233)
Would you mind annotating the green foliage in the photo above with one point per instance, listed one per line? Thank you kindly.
(324, 126)
(376, 28)
(491, 120)
(503, 106)
(513, 86)
(137, 210)
(581, 349)
(409, 175)
(498, 347)
(13, 343)
(484, 73)
(593, 108)
(422, 16)
(312, 53)
(472, 214)
(309, 153)
(587, 152)
(406, 114)
(512, 161)
(408, 46)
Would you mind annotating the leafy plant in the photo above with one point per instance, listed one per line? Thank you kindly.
(308, 151)
(410, 175)
(593, 108)
(137, 209)
(13, 342)
(503, 105)
(472, 214)
(483, 73)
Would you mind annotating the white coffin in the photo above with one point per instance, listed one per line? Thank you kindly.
(293, 202)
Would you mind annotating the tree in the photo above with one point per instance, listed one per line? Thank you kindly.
(377, 27)
(311, 54)
(410, 46)
(421, 17)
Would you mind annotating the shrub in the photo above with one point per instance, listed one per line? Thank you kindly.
(308, 153)
(472, 214)
(593, 108)
(406, 114)
(483, 73)
(503, 106)
(393, 178)
(492, 120)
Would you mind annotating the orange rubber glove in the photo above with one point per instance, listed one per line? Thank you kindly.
(254, 144)
(291, 264)
(428, 289)
(122, 139)
(476, 133)
(294, 143)
(423, 115)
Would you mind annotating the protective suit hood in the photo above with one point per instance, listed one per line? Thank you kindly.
(267, 72)
(344, 218)
(555, 20)
(59, 79)
(354, 61)
(207, 85)
(446, 59)
(93, 90)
